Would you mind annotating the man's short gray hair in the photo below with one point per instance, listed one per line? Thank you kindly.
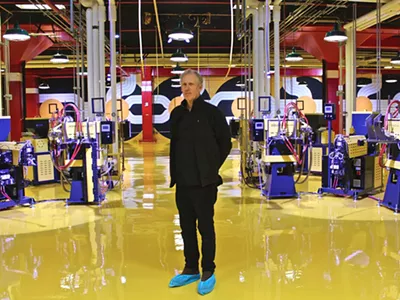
(190, 71)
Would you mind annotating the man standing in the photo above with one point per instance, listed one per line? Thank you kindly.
(200, 143)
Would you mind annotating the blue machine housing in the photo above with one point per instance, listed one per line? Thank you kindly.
(391, 198)
(280, 176)
(359, 122)
(5, 125)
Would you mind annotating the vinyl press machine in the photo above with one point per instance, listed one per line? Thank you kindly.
(384, 130)
(351, 165)
(278, 146)
(14, 157)
(82, 148)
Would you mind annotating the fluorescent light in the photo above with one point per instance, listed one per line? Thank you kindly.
(176, 79)
(117, 36)
(174, 85)
(388, 67)
(38, 6)
(391, 80)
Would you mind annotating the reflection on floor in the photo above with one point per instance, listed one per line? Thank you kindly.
(129, 248)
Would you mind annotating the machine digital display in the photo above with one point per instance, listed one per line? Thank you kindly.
(329, 111)
(105, 127)
(259, 125)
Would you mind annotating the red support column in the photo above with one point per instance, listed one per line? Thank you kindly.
(147, 106)
(16, 101)
(32, 95)
(332, 85)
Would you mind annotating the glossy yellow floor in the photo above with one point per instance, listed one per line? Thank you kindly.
(130, 247)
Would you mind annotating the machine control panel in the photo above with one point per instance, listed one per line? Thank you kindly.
(329, 111)
(107, 132)
(257, 130)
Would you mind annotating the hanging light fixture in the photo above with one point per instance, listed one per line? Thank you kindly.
(176, 79)
(294, 56)
(16, 34)
(179, 56)
(180, 33)
(240, 84)
(396, 60)
(84, 73)
(177, 70)
(59, 59)
(44, 86)
(391, 80)
(336, 35)
(361, 82)
(303, 82)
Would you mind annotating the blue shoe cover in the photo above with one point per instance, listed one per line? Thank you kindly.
(181, 280)
(207, 286)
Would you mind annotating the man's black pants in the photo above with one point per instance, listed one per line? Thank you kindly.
(197, 204)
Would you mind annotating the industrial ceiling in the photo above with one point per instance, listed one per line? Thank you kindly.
(210, 21)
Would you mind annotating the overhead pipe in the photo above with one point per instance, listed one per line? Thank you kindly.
(158, 28)
(277, 76)
(90, 61)
(261, 55)
(267, 35)
(112, 18)
(96, 48)
(350, 63)
(102, 57)
(255, 57)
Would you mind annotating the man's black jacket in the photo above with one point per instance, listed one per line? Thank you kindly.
(211, 138)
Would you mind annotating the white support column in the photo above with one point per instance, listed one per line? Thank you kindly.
(102, 58)
(351, 77)
(261, 54)
(277, 18)
(267, 54)
(90, 66)
(95, 20)
(255, 57)
(112, 17)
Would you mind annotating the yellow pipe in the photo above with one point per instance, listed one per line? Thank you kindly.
(159, 28)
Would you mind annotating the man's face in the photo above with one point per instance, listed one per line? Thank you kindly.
(190, 87)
